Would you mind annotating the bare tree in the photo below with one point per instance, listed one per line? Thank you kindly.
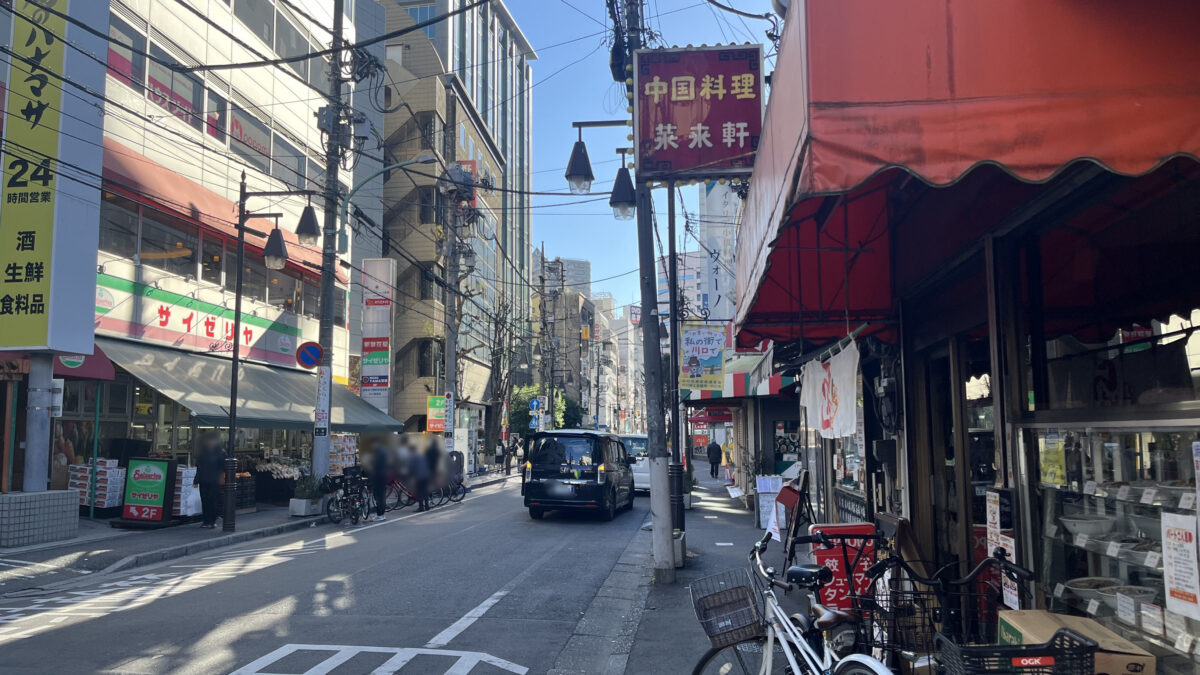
(502, 356)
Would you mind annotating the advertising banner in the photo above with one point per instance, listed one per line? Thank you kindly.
(147, 489)
(49, 222)
(702, 355)
(435, 413)
(1181, 572)
(376, 365)
(836, 594)
(698, 111)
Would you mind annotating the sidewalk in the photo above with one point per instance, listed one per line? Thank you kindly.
(101, 548)
(720, 533)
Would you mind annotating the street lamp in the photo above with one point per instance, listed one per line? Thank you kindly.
(308, 232)
(624, 197)
(274, 257)
(579, 169)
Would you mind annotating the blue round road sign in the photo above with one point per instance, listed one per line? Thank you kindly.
(309, 355)
(535, 404)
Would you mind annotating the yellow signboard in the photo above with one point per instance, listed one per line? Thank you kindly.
(702, 356)
(30, 173)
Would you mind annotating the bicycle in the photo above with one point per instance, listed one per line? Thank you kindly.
(348, 497)
(399, 495)
(748, 640)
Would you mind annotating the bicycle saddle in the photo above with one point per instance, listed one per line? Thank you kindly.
(809, 575)
(828, 618)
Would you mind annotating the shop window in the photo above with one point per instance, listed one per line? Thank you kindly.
(212, 263)
(118, 226)
(254, 279)
(287, 162)
(251, 139)
(126, 65)
(283, 290)
(216, 116)
(181, 94)
(168, 247)
(116, 398)
(311, 297)
(259, 17)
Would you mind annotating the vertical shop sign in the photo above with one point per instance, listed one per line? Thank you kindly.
(702, 356)
(435, 413)
(1053, 459)
(48, 224)
(1181, 573)
(375, 380)
(698, 111)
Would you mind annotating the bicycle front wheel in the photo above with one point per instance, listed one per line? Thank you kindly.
(744, 658)
(391, 500)
(333, 509)
(457, 492)
(859, 664)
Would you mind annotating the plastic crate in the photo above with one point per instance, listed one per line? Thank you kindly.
(728, 607)
(1067, 653)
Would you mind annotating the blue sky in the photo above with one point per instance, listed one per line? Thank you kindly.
(572, 82)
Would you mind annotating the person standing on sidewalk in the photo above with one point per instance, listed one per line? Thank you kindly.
(714, 458)
(210, 468)
(379, 475)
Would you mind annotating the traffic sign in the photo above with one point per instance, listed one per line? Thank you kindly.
(533, 423)
(309, 355)
(535, 404)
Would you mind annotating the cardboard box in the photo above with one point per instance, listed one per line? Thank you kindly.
(1115, 656)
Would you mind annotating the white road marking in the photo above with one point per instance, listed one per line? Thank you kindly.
(710, 517)
(724, 543)
(463, 663)
(455, 629)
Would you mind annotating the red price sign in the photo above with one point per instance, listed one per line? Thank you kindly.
(836, 594)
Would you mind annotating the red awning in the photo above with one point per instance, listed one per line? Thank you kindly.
(713, 415)
(134, 176)
(869, 92)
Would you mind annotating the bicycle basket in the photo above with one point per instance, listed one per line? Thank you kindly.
(329, 484)
(1067, 653)
(728, 607)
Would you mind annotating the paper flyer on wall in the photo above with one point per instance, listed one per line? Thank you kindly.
(1181, 572)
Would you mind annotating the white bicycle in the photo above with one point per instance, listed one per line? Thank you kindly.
(752, 635)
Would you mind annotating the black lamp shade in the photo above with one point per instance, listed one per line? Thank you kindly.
(308, 231)
(579, 170)
(624, 198)
(275, 252)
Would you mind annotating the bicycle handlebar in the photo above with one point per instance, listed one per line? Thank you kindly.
(767, 573)
(999, 558)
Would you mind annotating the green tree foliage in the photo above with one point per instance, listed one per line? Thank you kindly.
(572, 414)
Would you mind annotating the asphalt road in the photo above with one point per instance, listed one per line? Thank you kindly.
(476, 587)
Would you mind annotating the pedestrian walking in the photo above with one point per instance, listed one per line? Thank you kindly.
(210, 468)
(508, 458)
(379, 473)
(714, 458)
(419, 466)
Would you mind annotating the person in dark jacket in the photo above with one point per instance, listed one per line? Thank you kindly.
(380, 460)
(210, 466)
(714, 458)
(419, 467)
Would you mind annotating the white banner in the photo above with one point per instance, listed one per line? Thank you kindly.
(828, 391)
(378, 275)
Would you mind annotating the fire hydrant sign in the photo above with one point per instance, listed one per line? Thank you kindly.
(146, 489)
(698, 111)
(1181, 573)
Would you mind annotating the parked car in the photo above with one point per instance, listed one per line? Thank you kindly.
(577, 469)
(637, 445)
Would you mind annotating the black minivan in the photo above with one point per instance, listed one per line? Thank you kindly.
(577, 469)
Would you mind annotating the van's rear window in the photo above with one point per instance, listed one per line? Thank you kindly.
(562, 449)
(635, 446)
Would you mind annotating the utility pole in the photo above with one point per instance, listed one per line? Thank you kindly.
(330, 118)
(545, 323)
(675, 472)
(453, 190)
(662, 547)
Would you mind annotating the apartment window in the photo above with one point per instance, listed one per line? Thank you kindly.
(123, 63)
(428, 197)
(168, 244)
(316, 176)
(289, 42)
(182, 95)
(251, 139)
(216, 119)
(339, 307)
(318, 70)
(212, 260)
(259, 17)
(421, 13)
(118, 226)
(287, 163)
(429, 358)
(428, 285)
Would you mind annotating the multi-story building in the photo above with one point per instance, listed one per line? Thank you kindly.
(573, 272)
(476, 117)
(565, 342)
(170, 154)
(630, 385)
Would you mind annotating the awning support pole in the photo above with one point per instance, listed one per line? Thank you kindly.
(841, 344)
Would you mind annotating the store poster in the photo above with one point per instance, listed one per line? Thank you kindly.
(702, 356)
(343, 452)
(375, 378)
(146, 489)
(836, 594)
(1181, 571)
(1053, 459)
(1012, 596)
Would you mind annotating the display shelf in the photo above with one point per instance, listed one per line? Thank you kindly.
(1173, 498)
(1151, 560)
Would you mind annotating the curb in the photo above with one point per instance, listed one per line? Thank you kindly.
(172, 552)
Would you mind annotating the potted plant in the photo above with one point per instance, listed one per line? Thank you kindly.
(306, 501)
(689, 480)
